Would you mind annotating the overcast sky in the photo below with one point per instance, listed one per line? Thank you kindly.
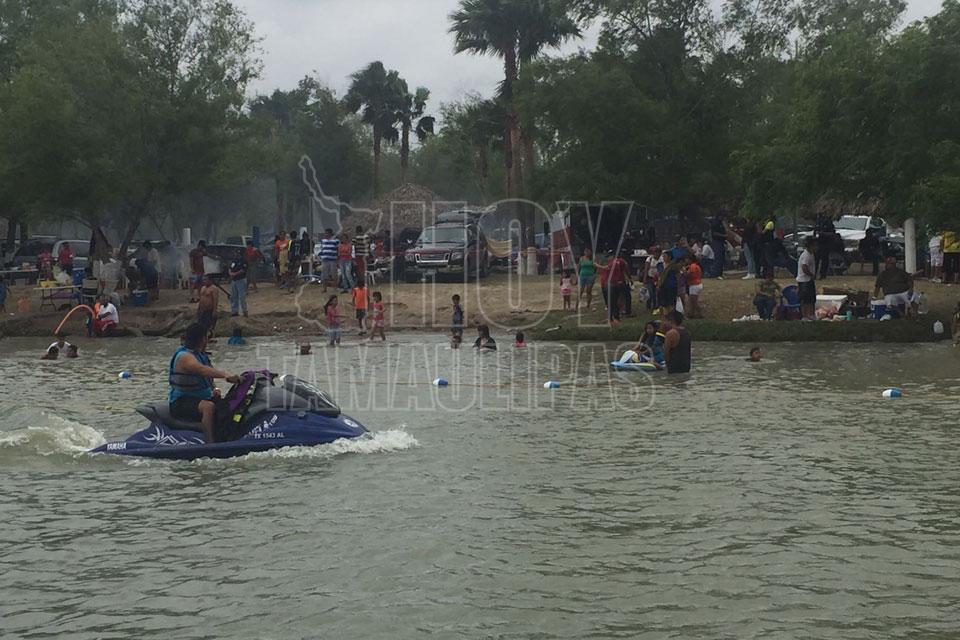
(333, 38)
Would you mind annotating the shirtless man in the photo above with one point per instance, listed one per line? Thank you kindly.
(676, 343)
(208, 306)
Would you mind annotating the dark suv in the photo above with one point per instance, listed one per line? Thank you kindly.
(456, 248)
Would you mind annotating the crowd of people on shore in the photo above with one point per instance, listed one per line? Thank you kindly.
(666, 280)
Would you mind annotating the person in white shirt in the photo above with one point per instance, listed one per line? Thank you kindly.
(106, 319)
(806, 279)
(936, 258)
(60, 348)
(707, 258)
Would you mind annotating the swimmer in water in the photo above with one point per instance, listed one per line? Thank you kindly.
(73, 351)
(756, 355)
(305, 348)
(61, 346)
(518, 340)
(52, 354)
(484, 341)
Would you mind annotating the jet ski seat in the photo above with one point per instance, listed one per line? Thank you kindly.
(160, 412)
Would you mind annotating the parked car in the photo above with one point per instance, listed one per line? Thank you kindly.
(458, 248)
(219, 257)
(30, 251)
(853, 229)
(81, 251)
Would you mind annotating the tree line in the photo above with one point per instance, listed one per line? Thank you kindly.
(769, 107)
(134, 113)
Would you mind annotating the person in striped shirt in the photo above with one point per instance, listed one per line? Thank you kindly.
(328, 259)
(361, 249)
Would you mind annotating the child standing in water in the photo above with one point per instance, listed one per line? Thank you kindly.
(566, 288)
(378, 317)
(334, 320)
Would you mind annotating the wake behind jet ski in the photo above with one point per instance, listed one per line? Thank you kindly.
(261, 415)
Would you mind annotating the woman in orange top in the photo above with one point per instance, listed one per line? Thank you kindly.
(694, 286)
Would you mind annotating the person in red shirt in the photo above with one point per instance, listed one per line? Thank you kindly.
(254, 258)
(45, 264)
(619, 289)
(694, 277)
(65, 258)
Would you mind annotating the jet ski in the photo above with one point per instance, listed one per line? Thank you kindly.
(261, 412)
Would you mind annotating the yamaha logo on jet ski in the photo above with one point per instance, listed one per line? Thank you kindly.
(258, 415)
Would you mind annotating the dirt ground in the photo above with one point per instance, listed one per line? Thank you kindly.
(501, 299)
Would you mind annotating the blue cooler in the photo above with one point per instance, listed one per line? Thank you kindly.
(879, 309)
(139, 298)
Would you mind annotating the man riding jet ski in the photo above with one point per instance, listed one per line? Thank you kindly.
(257, 414)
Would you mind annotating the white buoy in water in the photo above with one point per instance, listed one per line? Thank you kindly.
(892, 393)
(440, 382)
(551, 384)
(124, 375)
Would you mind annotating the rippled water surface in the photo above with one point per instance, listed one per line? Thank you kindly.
(779, 500)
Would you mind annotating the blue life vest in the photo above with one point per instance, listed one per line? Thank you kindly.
(189, 384)
(658, 348)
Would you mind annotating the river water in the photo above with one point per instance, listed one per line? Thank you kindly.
(784, 499)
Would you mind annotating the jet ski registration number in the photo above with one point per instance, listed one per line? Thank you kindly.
(269, 435)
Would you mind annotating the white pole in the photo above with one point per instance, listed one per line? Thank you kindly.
(185, 237)
(910, 244)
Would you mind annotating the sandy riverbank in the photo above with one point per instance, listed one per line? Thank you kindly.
(502, 301)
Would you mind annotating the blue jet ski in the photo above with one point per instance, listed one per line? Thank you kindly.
(260, 415)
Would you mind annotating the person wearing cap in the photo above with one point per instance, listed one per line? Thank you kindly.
(192, 392)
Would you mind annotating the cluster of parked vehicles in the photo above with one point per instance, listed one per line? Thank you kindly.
(457, 246)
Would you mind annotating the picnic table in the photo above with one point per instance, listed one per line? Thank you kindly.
(30, 276)
(50, 295)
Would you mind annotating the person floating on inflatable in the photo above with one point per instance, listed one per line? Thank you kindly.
(647, 355)
(650, 346)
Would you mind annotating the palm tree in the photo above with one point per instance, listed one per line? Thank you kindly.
(411, 118)
(379, 94)
(515, 31)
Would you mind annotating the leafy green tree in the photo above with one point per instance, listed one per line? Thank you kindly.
(379, 95)
(308, 120)
(110, 116)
